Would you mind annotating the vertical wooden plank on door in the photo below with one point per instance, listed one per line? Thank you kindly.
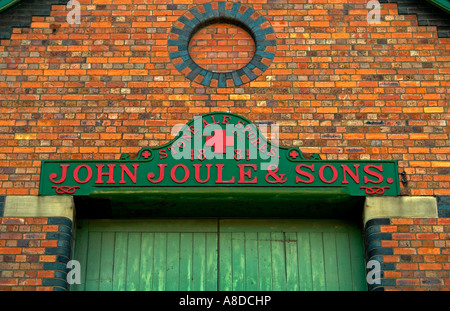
(146, 264)
(173, 261)
(199, 261)
(265, 261)
(211, 261)
(251, 261)
(330, 261)
(186, 240)
(160, 260)
(134, 258)
(318, 271)
(343, 261)
(120, 261)
(238, 260)
(357, 260)
(292, 267)
(278, 261)
(81, 252)
(107, 261)
(304, 261)
(225, 262)
(94, 254)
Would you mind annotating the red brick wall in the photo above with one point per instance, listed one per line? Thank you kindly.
(415, 254)
(337, 86)
(222, 48)
(33, 253)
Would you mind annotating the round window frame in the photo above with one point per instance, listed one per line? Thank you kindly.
(198, 17)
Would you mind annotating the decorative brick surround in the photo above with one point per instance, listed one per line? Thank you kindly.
(221, 12)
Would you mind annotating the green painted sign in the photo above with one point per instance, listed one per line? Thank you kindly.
(219, 150)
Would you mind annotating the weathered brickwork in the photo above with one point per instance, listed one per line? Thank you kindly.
(426, 14)
(414, 253)
(34, 253)
(21, 14)
(222, 48)
(337, 86)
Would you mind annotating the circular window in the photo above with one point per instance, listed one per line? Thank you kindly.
(185, 40)
(222, 48)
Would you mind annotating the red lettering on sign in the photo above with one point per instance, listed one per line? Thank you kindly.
(63, 174)
(126, 170)
(161, 174)
(186, 136)
(247, 128)
(219, 176)
(306, 174)
(248, 174)
(193, 130)
(322, 177)
(76, 171)
(197, 172)
(220, 141)
(214, 120)
(262, 147)
(186, 173)
(240, 124)
(346, 170)
(374, 174)
(226, 119)
(255, 142)
(162, 154)
(272, 152)
(100, 174)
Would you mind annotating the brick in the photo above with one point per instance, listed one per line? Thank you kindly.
(428, 251)
(427, 236)
(406, 266)
(430, 266)
(403, 236)
(10, 250)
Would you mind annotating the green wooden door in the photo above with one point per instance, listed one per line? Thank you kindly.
(147, 255)
(270, 255)
(219, 255)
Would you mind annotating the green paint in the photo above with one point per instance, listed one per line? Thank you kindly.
(173, 261)
(264, 261)
(120, 263)
(5, 4)
(304, 261)
(330, 261)
(251, 261)
(133, 260)
(442, 4)
(93, 259)
(186, 242)
(146, 264)
(246, 159)
(222, 202)
(107, 261)
(292, 271)
(240, 255)
(225, 263)
(238, 260)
